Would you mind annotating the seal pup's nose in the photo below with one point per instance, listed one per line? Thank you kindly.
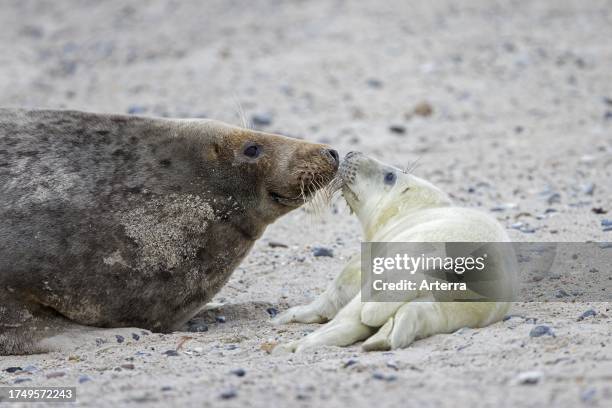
(332, 156)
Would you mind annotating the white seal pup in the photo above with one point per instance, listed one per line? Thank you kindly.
(394, 206)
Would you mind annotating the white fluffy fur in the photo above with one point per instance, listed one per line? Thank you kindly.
(411, 210)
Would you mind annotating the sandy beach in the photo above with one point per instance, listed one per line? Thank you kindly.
(507, 106)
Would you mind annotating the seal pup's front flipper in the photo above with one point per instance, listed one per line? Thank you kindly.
(326, 306)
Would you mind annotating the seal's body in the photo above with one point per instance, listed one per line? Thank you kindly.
(393, 206)
(115, 221)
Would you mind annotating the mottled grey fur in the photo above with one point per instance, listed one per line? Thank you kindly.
(118, 221)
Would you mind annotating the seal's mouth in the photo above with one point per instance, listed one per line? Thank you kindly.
(287, 201)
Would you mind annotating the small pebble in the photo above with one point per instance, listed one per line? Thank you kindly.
(229, 394)
(128, 366)
(374, 83)
(561, 294)
(588, 395)
(171, 353)
(529, 378)
(588, 189)
(120, 338)
(598, 210)
(504, 207)
(423, 109)
(13, 369)
(135, 336)
(272, 311)
(198, 328)
(136, 110)
(392, 364)
(539, 331)
(350, 362)
(397, 129)
(56, 374)
(323, 251)
(608, 115)
(588, 313)
(276, 244)
(84, 378)
(166, 388)
(238, 372)
(21, 380)
(383, 377)
(553, 198)
(606, 222)
(261, 119)
(220, 319)
(524, 228)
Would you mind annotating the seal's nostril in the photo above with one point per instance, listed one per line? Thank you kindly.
(334, 155)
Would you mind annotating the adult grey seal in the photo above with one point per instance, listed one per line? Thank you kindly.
(118, 221)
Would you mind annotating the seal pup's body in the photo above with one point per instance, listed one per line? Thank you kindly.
(117, 221)
(396, 207)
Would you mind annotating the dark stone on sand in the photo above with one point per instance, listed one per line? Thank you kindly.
(261, 119)
(323, 251)
(397, 129)
(540, 331)
(588, 313)
(228, 394)
(374, 83)
(136, 110)
(238, 372)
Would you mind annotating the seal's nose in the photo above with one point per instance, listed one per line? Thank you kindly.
(333, 156)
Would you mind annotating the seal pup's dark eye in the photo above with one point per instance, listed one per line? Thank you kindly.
(390, 178)
(252, 151)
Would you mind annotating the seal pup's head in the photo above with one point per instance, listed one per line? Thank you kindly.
(377, 192)
(267, 175)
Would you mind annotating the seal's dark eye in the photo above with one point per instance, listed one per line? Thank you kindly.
(252, 151)
(390, 178)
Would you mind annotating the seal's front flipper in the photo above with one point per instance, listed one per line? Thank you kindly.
(339, 293)
(310, 313)
(345, 329)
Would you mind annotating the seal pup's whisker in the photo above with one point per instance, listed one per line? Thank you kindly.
(412, 166)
